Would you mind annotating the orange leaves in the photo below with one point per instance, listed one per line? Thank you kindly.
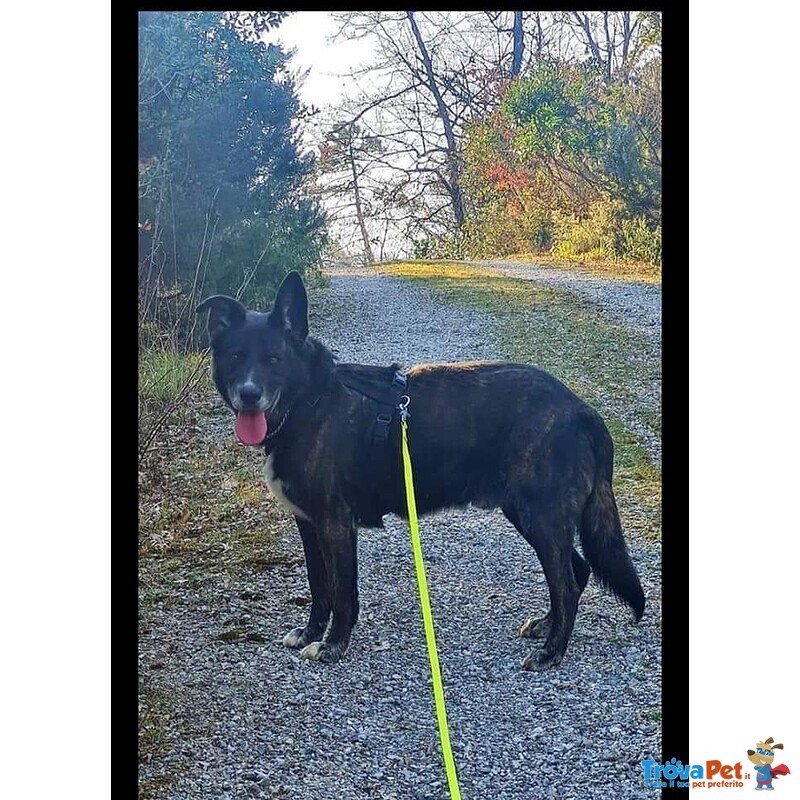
(507, 179)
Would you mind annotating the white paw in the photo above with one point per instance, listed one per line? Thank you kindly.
(294, 638)
(312, 651)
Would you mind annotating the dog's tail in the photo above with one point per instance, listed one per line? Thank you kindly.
(601, 531)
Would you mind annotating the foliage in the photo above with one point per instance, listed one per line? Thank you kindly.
(570, 164)
(639, 242)
(594, 236)
(565, 105)
(221, 176)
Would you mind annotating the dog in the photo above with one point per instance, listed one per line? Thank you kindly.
(763, 758)
(490, 434)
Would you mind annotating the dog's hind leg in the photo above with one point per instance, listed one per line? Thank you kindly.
(337, 540)
(318, 583)
(539, 627)
(550, 533)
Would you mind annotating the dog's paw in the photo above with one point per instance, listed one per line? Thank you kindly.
(322, 651)
(295, 638)
(536, 627)
(541, 661)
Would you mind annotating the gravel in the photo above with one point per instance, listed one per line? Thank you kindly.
(253, 721)
(637, 305)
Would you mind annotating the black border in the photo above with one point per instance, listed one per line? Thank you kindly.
(675, 293)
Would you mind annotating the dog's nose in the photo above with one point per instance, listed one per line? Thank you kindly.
(250, 394)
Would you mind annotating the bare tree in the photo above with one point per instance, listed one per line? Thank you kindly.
(433, 74)
(614, 39)
(519, 44)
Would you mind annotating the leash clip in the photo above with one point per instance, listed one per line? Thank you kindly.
(403, 407)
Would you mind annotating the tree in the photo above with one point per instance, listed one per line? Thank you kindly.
(574, 99)
(432, 74)
(223, 206)
(570, 160)
(341, 162)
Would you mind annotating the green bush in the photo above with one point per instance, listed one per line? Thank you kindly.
(597, 236)
(639, 242)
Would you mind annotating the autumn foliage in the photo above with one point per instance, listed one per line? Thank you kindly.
(568, 164)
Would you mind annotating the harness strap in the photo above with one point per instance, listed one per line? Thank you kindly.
(389, 397)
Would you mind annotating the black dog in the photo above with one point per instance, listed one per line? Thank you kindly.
(491, 434)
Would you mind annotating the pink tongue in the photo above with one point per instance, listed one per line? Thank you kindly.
(251, 427)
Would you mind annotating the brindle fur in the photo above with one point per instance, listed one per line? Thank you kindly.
(494, 435)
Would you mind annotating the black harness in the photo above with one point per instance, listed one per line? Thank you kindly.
(370, 382)
(388, 395)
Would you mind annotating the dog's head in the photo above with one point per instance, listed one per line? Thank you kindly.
(765, 752)
(257, 364)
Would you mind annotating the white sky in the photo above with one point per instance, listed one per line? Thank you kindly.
(308, 32)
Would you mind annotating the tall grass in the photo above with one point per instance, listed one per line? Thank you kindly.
(166, 378)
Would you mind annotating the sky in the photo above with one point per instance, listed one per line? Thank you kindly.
(308, 32)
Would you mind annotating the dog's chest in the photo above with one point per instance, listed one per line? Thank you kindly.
(279, 488)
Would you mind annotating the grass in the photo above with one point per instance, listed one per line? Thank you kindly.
(166, 378)
(163, 373)
(598, 359)
(638, 271)
(154, 714)
(206, 521)
(155, 711)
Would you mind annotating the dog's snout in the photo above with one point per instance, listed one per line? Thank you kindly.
(250, 394)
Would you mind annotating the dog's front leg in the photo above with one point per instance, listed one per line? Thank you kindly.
(337, 543)
(318, 583)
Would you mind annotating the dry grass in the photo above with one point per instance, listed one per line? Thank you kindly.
(639, 272)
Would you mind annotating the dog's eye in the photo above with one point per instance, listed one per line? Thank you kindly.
(237, 356)
(271, 359)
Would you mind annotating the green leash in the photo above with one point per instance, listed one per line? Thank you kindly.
(427, 615)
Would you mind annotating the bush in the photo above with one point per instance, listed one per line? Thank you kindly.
(639, 242)
(598, 236)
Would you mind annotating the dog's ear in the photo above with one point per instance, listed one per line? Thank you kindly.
(226, 312)
(290, 311)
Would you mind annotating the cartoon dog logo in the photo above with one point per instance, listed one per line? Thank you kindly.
(762, 757)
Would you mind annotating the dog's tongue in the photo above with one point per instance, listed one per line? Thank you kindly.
(251, 427)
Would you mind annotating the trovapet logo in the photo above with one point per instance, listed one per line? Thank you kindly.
(676, 774)
(762, 757)
(716, 774)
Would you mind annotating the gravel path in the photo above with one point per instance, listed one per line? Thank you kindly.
(264, 724)
(637, 305)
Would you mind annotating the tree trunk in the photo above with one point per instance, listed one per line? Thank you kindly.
(454, 184)
(359, 210)
(519, 45)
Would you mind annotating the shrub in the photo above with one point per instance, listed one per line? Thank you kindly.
(639, 242)
(596, 236)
